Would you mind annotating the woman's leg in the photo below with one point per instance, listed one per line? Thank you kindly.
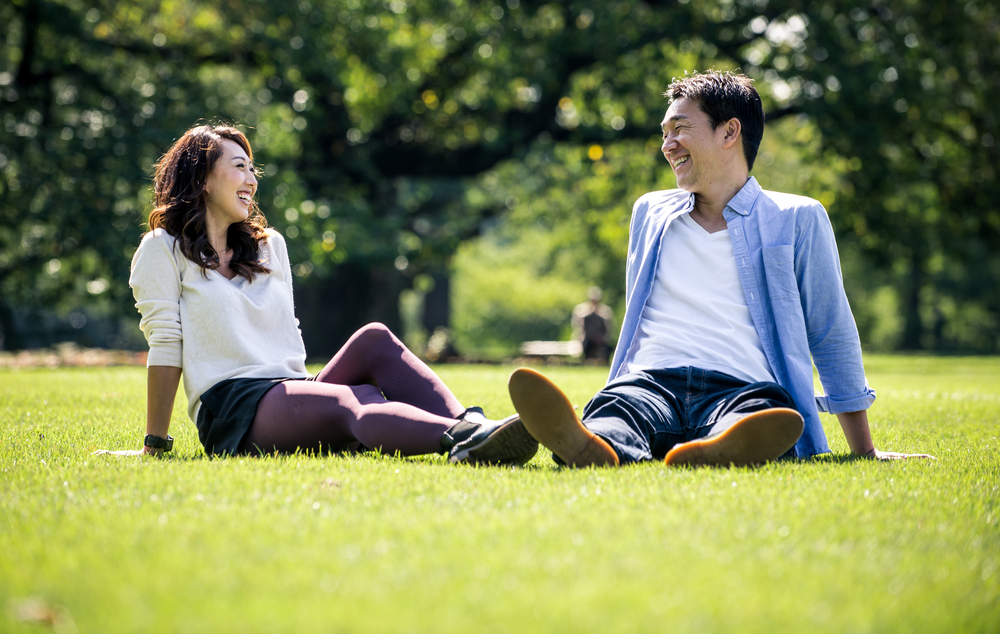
(375, 356)
(328, 417)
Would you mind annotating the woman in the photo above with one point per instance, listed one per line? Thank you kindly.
(214, 288)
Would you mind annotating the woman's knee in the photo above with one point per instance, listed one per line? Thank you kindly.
(375, 337)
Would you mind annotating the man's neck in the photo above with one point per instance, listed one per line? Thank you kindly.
(709, 205)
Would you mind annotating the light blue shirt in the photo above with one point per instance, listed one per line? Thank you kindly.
(788, 265)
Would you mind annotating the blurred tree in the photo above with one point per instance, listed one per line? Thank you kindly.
(901, 89)
(896, 94)
(374, 117)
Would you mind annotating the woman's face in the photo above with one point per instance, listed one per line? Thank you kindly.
(231, 185)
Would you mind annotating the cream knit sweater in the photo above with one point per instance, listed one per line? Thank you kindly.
(213, 328)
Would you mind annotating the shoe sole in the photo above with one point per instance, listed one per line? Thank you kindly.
(758, 438)
(549, 417)
(510, 443)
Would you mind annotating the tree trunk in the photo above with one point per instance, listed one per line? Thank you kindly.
(913, 327)
(10, 334)
(331, 309)
(437, 304)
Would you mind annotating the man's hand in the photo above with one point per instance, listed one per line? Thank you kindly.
(859, 439)
(875, 454)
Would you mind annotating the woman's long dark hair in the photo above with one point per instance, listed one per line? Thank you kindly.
(179, 201)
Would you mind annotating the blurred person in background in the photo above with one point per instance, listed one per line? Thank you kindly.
(592, 322)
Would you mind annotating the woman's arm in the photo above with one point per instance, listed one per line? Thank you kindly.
(156, 284)
(161, 389)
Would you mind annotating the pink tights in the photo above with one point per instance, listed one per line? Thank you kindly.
(374, 392)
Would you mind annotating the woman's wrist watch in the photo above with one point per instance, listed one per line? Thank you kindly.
(166, 444)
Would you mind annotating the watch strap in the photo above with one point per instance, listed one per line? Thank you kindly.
(166, 444)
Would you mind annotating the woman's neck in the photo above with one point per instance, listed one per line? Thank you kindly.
(221, 246)
(218, 236)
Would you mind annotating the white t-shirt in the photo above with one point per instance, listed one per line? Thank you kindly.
(696, 314)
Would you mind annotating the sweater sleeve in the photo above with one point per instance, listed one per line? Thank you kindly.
(280, 250)
(156, 285)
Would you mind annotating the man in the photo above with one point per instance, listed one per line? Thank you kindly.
(591, 323)
(731, 294)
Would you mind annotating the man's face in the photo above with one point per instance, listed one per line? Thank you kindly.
(693, 149)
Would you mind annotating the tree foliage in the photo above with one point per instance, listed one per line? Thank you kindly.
(902, 89)
(389, 130)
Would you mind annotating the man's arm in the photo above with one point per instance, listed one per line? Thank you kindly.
(833, 335)
(859, 438)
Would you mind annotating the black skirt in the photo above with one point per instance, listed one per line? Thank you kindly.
(227, 412)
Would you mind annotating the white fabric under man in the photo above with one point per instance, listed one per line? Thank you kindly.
(696, 314)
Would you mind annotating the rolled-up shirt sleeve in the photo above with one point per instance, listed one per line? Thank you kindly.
(156, 285)
(832, 332)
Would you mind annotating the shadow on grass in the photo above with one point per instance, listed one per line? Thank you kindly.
(830, 458)
(822, 460)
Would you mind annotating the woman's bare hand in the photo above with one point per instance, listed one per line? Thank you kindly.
(129, 452)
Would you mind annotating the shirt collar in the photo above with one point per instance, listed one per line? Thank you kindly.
(742, 202)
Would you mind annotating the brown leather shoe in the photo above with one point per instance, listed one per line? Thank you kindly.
(549, 416)
(754, 440)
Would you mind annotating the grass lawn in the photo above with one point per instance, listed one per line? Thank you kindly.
(383, 544)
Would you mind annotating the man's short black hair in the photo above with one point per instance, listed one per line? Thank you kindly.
(724, 96)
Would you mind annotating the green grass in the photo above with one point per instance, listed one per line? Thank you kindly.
(383, 544)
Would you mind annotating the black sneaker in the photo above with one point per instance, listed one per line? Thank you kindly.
(478, 440)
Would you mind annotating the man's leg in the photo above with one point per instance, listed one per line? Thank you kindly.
(634, 418)
(549, 417)
(736, 423)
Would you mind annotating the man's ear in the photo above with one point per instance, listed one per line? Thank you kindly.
(733, 129)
